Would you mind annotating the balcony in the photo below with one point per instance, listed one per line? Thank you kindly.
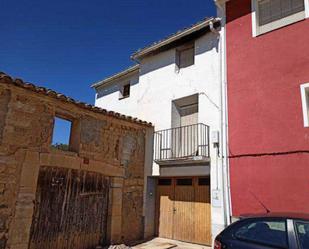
(182, 145)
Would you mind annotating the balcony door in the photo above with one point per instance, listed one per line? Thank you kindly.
(188, 133)
(188, 114)
(185, 135)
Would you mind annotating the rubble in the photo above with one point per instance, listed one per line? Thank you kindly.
(122, 246)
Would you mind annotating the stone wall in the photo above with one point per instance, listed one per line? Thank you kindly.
(100, 143)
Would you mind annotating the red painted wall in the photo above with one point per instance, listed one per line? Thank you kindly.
(265, 113)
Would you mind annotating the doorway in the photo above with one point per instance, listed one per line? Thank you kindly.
(184, 210)
(71, 209)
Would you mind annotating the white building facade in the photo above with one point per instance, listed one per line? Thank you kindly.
(177, 85)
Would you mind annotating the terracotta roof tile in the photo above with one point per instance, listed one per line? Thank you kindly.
(6, 79)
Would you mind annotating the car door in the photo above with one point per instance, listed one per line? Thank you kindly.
(302, 233)
(260, 233)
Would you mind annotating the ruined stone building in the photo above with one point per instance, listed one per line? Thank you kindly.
(90, 194)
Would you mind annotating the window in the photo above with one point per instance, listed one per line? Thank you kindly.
(164, 181)
(204, 181)
(265, 232)
(65, 134)
(184, 182)
(125, 91)
(61, 134)
(302, 230)
(304, 89)
(185, 56)
(268, 15)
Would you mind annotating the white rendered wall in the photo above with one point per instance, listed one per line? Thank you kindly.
(108, 97)
(159, 84)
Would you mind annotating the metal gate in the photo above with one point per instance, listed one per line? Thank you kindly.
(70, 209)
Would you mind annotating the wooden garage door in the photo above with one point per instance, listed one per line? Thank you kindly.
(166, 208)
(70, 209)
(183, 209)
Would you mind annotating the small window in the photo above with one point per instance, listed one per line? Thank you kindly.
(204, 181)
(302, 230)
(304, 89)
(184, 182)
(273, 14)
(264, 232)
(185, 56)
(61, 134)
(125, 91)
(165, 182)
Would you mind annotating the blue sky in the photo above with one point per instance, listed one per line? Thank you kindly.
(68, 44)
(61, 132)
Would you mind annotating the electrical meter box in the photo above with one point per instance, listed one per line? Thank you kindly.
(215, 137)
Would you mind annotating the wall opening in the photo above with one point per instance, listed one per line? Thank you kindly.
(185, 55)
(61, 134)
(125, 91)
(185, 111)
(65, 134)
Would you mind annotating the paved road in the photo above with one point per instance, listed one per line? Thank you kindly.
(159, 243)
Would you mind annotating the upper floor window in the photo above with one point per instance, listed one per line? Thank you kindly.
(185, 55)
(273, 14)
(125, 91)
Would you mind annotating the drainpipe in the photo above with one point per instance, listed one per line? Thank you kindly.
(225, 114)
(223, 118)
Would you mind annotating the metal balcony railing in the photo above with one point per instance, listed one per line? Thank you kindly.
(182, 143)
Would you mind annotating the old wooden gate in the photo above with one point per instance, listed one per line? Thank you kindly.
(183, 209)
(70, 209)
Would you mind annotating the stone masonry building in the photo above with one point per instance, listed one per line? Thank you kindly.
(91, 194)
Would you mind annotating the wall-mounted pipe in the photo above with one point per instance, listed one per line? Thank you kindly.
(224, 111)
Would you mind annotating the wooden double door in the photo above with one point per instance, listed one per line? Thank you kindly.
(184, 210)
(71, 209)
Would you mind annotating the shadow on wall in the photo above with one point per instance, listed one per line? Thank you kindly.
(168, 57)
(240, 8)
(163, 59)
(104, 91)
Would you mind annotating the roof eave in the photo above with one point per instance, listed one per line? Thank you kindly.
(221, 1)
(144, 52)
(115, 76)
